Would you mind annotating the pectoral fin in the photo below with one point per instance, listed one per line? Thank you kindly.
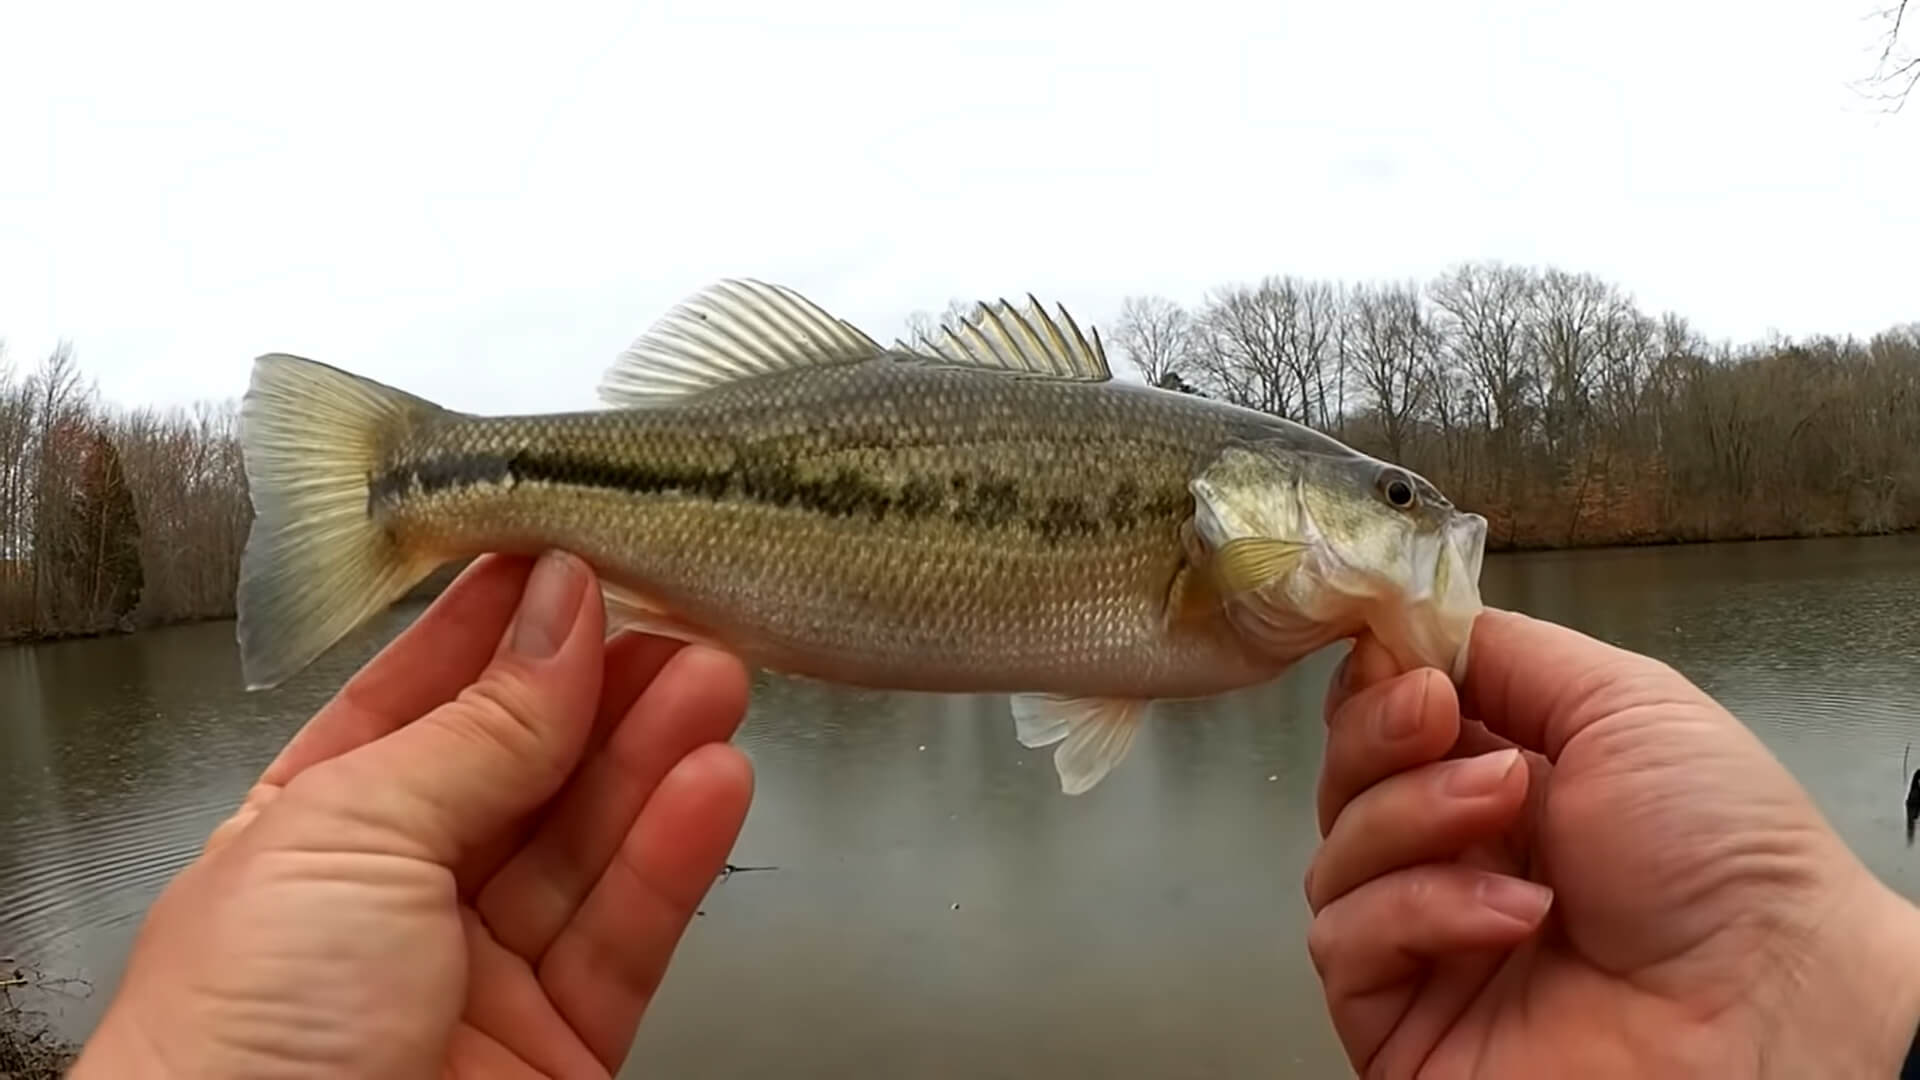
(1094, 733)
(1251, 563)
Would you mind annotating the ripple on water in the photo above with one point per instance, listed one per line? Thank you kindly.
(72, 873)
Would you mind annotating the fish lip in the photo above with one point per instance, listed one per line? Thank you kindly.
(1428, 621)
(1467, 535)
(1464, 545)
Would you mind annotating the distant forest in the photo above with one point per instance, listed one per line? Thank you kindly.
(1546, 400)
(1551, 403)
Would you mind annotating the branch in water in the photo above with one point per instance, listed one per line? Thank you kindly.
(729, 870)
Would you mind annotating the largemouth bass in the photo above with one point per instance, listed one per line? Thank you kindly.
(985, 511)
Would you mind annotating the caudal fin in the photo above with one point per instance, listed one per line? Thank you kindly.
(316, 564)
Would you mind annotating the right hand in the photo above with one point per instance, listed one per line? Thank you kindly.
(1652, 894)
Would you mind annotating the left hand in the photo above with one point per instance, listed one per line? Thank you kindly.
(477, 859)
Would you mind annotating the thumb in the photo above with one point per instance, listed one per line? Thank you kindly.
(445, 784)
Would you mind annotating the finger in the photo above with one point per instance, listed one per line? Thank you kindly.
(1429, 814)
(1365, 665)
(504, 1000)
(631, 661)
(606, 964)
(1445, 990)
(1385, 934)
(1539, 684)
(440, 787)
(1387, 727)
(422, 668)
(699, 698)
(258, 798)
(471, 1052)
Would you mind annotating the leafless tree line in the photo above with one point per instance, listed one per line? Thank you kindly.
(1546, 400)
(110, 519)
(1550, 402)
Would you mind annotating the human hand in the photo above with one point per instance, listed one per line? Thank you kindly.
(1602, 873)
(477, 859)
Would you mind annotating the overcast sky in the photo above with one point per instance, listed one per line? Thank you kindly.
(485, 208)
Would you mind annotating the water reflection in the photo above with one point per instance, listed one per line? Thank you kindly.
(939, 907)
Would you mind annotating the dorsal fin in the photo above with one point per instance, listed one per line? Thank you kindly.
(738, 328)
(732, 329)
(999, 336)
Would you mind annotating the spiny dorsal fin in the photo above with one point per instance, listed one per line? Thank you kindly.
(732, 329)
(738, 328)
(999, 336)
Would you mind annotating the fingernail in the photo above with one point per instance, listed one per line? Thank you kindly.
(1514, 898)
(1400, 714)
(548, 606)
(1480, 775)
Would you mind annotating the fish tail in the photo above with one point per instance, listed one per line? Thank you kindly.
(317, 562)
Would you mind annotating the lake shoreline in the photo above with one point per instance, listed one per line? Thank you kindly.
(433, 586)
(1683, 542)
(31, 1046)
(441, 579)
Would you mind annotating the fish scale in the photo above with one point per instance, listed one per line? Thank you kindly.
(862, 590)
(980, 514)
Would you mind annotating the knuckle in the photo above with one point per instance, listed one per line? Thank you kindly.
(502, 711)
(1322, 947)
(1412, 896)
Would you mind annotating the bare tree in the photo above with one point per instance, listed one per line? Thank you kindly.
(1897, 70)
(1269, 346)
(926, 326)
(1156, 336)
(1567, 326)
(1394, 345)
(1486, 305)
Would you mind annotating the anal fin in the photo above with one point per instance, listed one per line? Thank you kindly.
(1094, 733)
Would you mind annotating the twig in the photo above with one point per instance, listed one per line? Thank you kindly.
(729, 869)
(1893, 36)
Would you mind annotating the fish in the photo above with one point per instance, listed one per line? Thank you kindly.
(986, 509)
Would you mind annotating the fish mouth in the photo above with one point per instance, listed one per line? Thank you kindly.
(1454, 602)
(1431, 625)
(1467, 537)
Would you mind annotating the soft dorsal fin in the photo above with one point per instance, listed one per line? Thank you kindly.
(998, 336)
(732, 329)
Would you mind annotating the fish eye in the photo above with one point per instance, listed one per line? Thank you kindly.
(1397, 488)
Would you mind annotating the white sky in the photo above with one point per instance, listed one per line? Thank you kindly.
(486, 208)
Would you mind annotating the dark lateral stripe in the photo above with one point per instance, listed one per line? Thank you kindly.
(435, 474)
(969, 497)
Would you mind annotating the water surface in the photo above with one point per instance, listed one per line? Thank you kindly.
(940, 909)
